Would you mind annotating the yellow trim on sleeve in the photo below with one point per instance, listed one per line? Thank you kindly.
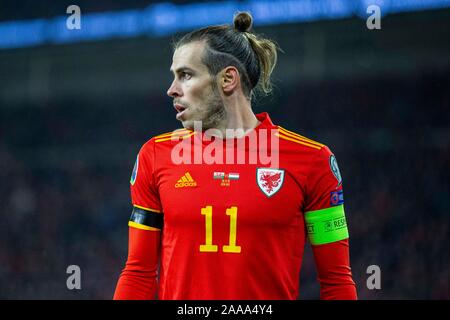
(298, 141)
(176, 132)
(148, 209)
(296, 135)
(141, 226)
(177, 137)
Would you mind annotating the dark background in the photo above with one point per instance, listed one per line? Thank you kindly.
(73, 117)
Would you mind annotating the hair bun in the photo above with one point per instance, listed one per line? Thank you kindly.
(243, 22)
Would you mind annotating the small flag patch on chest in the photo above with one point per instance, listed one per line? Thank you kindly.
(225, 178)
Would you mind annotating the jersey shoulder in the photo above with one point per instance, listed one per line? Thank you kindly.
(167, 138)
(319, 160)
(294, 139)
(175, 135)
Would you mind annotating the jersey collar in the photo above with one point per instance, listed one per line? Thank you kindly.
(265, 121)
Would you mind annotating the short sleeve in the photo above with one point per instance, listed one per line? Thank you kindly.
(144, 192)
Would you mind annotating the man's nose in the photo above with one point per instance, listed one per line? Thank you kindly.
(174, 90)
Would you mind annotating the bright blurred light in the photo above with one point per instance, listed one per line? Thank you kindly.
(166, 18)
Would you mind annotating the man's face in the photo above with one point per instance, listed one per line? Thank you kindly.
(194, 91)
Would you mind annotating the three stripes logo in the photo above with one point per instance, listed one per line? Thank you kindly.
(186, 181)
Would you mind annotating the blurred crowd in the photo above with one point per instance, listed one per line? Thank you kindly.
(65, 168)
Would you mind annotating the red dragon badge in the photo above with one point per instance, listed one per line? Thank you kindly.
(269, 180)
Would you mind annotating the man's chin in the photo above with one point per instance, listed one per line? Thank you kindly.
(188, 124)
(195, 125)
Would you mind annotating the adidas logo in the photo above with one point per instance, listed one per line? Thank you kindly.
(186, 181)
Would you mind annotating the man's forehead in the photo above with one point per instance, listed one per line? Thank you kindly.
(188, 56)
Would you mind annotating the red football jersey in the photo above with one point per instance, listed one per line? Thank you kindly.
(235, 229)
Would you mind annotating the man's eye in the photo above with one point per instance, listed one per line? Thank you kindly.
(186, 75)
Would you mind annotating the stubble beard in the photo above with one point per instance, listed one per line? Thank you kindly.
(215, 111)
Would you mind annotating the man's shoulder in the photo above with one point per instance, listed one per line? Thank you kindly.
(167, 138)
(316, 157)
(299, 142)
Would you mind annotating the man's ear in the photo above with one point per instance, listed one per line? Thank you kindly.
(230, 79)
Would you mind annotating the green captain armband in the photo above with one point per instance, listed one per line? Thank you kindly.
(326, 225)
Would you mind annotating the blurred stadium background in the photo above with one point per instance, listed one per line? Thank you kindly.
(76, 107)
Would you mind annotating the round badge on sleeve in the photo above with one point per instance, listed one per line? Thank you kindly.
(335, 169)
(135, 171)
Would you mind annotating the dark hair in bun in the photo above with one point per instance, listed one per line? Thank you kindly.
(243, 22)
(254, 56)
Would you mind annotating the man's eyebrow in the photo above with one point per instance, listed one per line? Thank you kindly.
(180, 69)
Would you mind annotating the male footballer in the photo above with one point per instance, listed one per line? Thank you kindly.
(223, 208)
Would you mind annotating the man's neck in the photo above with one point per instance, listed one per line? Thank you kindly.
(239, 119)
